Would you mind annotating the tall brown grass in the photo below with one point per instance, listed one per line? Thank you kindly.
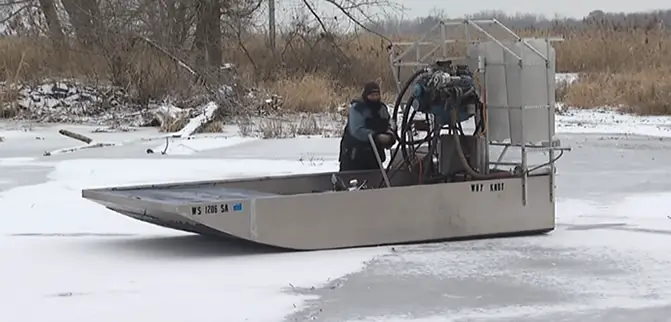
(620, 67)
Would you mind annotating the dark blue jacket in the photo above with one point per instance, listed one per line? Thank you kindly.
(364, 119)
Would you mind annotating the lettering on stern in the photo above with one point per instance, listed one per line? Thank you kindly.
(496, 186)
(493, 187)
(214, 209)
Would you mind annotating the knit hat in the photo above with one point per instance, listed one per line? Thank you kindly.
(370, 88)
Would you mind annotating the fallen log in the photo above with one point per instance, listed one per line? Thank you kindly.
(75, 136)
(83, 147)
(90, 144)
(197, 123)
(210, 110)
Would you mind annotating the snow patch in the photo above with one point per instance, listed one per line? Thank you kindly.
(68, 101)
(566, 78)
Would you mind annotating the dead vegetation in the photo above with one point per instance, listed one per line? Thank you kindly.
(646, 92)
(324, 125)
(625, 68)
(312, 69)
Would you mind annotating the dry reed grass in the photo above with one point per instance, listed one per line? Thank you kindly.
(307, 93)
(627, 68)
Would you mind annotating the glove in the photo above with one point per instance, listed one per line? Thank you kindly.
(386, 140)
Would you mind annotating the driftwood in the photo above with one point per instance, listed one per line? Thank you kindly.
(76, 136)
(90, 144)
(83, 147)
(197, 123)
(210, 110)
(194, 126)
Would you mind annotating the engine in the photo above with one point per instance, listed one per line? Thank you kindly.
(444, 88)
(449, 94)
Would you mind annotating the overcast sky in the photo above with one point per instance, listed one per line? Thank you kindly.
(568, 8)
(458, 8)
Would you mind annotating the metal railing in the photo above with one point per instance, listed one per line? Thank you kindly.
(426, 50)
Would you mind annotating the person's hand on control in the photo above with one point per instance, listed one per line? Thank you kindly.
(386, 140)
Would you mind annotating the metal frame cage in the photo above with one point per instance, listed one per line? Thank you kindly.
(518, 85)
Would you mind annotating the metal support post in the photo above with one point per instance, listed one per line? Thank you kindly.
(379, 161)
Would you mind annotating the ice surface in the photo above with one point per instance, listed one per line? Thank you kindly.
(60, 206)
(612, 122)
(637, 211)
(403, 319)
(195, 145)
(613, 258)
(156, 279)
(9, 162)
(67, 259)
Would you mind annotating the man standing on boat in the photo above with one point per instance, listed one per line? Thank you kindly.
(368, 116)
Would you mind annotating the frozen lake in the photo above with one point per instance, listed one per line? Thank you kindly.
(68, 259)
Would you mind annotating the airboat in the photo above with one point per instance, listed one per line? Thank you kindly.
(475, 158)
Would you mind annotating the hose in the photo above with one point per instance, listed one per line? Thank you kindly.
(407, 84)
(462, 156)
(406, 126)
(405, 122)
(403, 143)
(433, 145)
(432, 135)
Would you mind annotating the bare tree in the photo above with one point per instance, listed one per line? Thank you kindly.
(54, 24)
(85, 19)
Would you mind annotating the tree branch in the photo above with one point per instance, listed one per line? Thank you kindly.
(353, 4)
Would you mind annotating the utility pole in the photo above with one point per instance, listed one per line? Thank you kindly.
(271, 25)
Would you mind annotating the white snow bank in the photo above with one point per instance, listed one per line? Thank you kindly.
(72, 267)
(72, 101)
(565, 78)
(606, 121)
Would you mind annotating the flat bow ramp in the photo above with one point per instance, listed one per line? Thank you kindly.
(302, 212)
